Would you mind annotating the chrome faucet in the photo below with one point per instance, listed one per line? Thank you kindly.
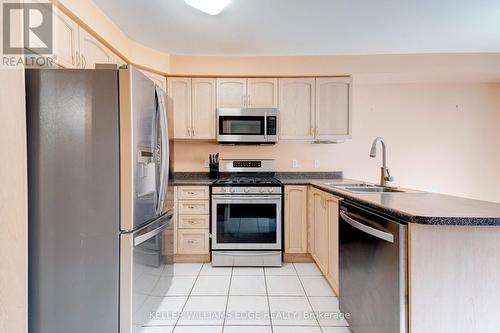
(385, 175)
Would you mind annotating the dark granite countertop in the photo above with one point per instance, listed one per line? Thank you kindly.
(413, 207)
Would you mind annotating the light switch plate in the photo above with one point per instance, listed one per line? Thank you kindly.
(295, 164)
(316, 164)
(205, 164)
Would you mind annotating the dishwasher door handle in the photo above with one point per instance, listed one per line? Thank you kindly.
(388, 237)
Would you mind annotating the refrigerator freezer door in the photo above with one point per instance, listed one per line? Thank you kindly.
(146, 259)
(139, 133)
(73, 181)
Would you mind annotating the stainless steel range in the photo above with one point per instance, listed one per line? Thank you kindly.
(246, 214)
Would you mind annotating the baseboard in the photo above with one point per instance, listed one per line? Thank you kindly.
(186, 258)
(297, 257)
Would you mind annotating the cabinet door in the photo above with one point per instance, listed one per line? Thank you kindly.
(320, 231)
(333, 108)
(296, 102)
(159, 80)
(231, 93)
(93, 51)
(262, 93)
(179, 91)
(296, 219)
(65, 42)
(203, 109)
(332, 206)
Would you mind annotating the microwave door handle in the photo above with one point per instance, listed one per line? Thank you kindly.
(388, 237)
(265, 126)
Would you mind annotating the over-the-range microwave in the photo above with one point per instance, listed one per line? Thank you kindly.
(247, 125)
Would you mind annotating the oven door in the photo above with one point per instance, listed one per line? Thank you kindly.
(246, 222)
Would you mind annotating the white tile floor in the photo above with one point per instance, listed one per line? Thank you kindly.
(205, 299)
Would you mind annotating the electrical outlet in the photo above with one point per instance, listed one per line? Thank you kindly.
(316, 164)
(205, 164)
(295, 164)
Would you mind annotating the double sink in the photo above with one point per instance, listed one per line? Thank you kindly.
(366, 188)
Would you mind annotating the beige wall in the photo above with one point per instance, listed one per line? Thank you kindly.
(92, 16)
(364, 68)
(442, 133)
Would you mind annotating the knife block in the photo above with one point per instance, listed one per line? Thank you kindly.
(213, 171)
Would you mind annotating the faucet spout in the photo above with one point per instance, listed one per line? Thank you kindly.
(385, 175)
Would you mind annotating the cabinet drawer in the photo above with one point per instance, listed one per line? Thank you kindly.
(193, 192)
(192, 241)
(193, 221)
(191, 207)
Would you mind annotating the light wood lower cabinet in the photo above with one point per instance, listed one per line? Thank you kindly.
(192, 241)
(193, 192)
(332, 211)
(192, 222)
(319, 229)
(323, 240)
(295, 219)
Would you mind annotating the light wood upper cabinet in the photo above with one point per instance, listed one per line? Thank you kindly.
(203, 106)
(93, 52)
(295, 219)
(333, 109)
(179, 90)
(262, 93)
(247, 93)
(297, 106)
(66, 40)
(231, 93)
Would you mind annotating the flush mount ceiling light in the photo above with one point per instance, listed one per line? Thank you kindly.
(211, 7)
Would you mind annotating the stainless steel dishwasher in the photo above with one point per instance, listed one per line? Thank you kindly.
(373, 270)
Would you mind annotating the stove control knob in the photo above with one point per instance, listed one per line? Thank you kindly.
(271, 190)
(247, 190)
(261, 190)
(232, 190)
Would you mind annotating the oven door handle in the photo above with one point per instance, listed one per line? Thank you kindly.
(245, 198)
(243, 254)
(388, 237)
(168, 220)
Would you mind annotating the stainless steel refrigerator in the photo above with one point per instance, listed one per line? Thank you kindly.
(100, 200)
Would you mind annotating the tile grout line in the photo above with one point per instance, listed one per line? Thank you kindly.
(187, 299)
(227, 298)
(267, 298)
(307, 297)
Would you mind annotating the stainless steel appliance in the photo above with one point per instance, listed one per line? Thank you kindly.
(100, 207)
(247, 126)
(246, 225)
(373, 266)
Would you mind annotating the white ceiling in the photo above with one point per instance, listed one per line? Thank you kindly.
(312, 27)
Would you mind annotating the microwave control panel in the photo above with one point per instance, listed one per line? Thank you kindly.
(271, 125)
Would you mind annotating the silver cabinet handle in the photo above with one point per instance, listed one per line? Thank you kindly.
(192, 242)
(84, 62)
(366, 229)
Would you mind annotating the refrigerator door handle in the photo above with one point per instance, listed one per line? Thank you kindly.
(150, 234)
(164, 166)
